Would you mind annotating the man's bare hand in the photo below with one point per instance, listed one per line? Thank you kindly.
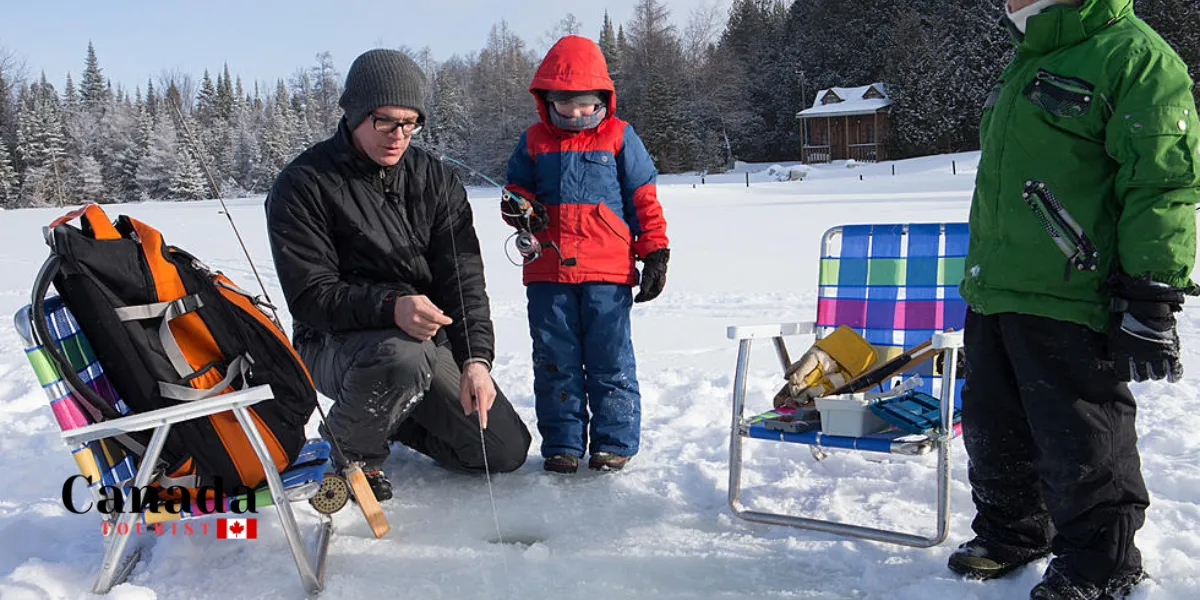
(419, 317)
(476, 388)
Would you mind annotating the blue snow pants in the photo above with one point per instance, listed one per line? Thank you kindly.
(583, 359)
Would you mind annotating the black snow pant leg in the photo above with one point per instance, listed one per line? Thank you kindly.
(1000, 447)
(1080, 427)
(375, 379)
(439, 429)
(387, 386)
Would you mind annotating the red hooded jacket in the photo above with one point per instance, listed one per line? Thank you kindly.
(598, 184)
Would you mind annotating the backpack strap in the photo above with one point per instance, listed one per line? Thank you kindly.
(238, 368)
(41, 330)
(97, 406)
(166, 311)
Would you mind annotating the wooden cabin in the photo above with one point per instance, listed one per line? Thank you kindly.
(846, 123)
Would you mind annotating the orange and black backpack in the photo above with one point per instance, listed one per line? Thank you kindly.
(167, 330)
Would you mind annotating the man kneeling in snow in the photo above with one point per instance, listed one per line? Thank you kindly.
(376, 253)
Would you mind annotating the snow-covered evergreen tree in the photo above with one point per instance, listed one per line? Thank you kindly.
(323, 102)
(8, 178)
(87, 182)
(158, 166)
(278, 140)
(607, 41)
(187, 180)
(503, 107)
(449, 128)
(41, 145)
(70, 96)
(93, 89)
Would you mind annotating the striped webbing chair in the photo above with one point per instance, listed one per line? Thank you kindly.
(107, 456)
(897, 286)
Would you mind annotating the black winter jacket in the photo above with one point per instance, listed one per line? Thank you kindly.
(349, 237)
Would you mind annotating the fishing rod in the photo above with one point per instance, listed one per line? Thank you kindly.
(212, 182)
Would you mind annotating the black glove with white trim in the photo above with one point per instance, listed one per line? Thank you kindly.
(1143, 344)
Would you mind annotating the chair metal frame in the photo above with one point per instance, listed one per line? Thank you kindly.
(947, 344)
(116, 566)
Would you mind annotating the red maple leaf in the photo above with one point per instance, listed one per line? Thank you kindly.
(236, 528)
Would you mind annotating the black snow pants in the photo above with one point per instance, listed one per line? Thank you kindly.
(387, 386)
(1049, 431)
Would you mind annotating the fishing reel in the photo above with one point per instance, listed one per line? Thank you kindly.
(527, 245)
(530, 249)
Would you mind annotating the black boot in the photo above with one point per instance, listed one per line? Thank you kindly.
(607, 461)
(561, 463)
(980, 559)
(379, 484)
(1060, 584)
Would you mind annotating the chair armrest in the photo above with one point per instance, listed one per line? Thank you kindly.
(164, 416)
(948, 339)
(746, 332)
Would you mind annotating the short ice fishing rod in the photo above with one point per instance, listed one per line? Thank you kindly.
(527, 245)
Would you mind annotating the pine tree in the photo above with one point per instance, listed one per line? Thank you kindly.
(70, 98)
(919, 121)
(326, 90)
(226, 100)
(117, 140)
(449, 128)
(617, 62)
(93, 90)
(8, 178)
(125, 183)
(278, 140)
(501, 76)
(151, 101)
(607, 40)
(8, 121)
(41, 146)
(187, 181)
(158, 166)
(302, 109)
(247, 170)
(206, 102)
(87, 182)
(653, 96)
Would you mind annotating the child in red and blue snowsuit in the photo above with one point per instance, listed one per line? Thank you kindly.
(587, 184)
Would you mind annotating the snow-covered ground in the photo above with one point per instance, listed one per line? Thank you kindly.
(661, 529)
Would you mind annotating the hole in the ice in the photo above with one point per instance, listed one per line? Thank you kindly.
(520, 540)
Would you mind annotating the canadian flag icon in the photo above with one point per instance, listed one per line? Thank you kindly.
(237, 529)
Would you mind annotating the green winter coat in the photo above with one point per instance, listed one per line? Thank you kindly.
(1098, 107)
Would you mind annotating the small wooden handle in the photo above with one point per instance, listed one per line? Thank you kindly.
(366, 501)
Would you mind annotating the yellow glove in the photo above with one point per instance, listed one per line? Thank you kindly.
(832, 361)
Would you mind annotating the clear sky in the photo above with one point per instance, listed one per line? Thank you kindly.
(266, 39)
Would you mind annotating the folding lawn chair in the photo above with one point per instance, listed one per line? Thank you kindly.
(897, 286)
(102, 451)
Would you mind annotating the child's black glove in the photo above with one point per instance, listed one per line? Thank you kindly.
(654, 275)
(1143, 344)
(523, 213)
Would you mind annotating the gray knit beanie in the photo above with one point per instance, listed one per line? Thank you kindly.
(382, 77)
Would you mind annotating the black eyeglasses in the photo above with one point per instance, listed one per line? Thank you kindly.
(386, 125)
